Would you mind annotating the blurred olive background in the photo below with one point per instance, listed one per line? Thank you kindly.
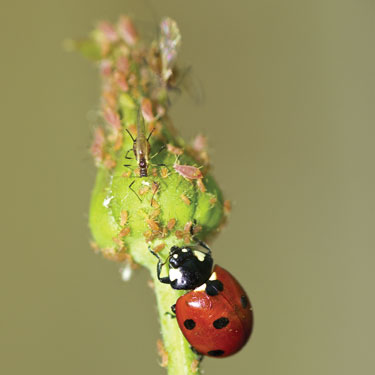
(289, 112)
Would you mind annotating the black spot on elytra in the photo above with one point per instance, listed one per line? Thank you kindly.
(220, 323)
(189, 324)
(244, 301)
(216, 353)
(214, 287)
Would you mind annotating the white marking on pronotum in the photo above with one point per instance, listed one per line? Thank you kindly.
(184, 250)
(200, 255)
(213, 276)
(174, 274)
(201, 288)
(175, 256)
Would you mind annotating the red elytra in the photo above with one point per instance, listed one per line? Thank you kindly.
(220, 325)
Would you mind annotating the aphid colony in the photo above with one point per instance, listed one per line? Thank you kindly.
(215, 316)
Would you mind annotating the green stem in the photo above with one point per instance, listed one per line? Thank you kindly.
(181, 359)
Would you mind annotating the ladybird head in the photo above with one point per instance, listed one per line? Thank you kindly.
(189, 268)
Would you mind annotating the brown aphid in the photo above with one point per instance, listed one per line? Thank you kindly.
(127, 174)
(137, 172)
(148, 235)
(124, 232)
(163, 233)
(153, 225)
(108, 162)
(201, 186)
(185, 199)
(97, 148)
(155, 214)
(213, 200)
(117, 256)
(118, 241)
(197, 229)
(171, 224)
(187, 226)
(174, 150)
(187, 238)
(227, 206)
(162, 353)
(159, 247)
(179, 234)
(164, 172)
(143, 190)
(154, 172)
(155, 204)
(110, 99)
(94, 246)
(194, 366)
(118, 142)
(124, 217)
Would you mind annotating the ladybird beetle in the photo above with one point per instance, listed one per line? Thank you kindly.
(215, 316)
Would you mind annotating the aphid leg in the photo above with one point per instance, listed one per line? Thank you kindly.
(131, 188)
(166, 279)
(130, 135)
(152, 130)
(173, 316)
(126, 155)
(160, 150)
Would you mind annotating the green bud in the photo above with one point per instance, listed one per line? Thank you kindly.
(129, 213)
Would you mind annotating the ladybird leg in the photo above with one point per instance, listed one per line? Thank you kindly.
(173, 308)
(166, 279)
(197, 240)
(173, 316)
(195, 351)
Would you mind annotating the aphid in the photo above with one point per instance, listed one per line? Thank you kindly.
(174, 150)
(141, 149)
(201, 186)
(171, 224)
(162, 353)
(185, 199)
(215, 316)
(188, 171)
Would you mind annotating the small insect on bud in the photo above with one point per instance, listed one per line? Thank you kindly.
(127, 30)
(162, 353)
(120, 79)
(105, 68)
(171, 224)
(97, 148)
(124, 217)
(146, 108)
(174, 150)
(108, 31)
(112, 118)
(185, 199)
(122, 65)
(188, 171)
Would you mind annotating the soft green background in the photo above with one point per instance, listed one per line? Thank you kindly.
(289, 111)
